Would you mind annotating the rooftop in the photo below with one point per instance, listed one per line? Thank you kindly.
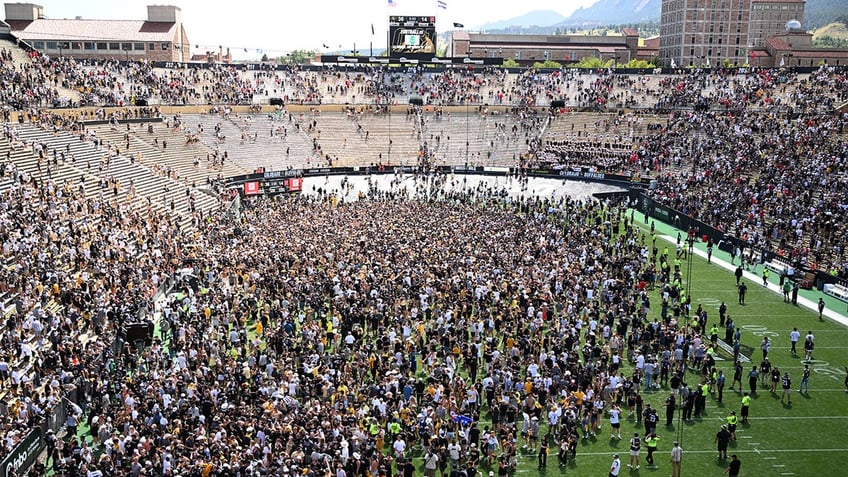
(84, 29)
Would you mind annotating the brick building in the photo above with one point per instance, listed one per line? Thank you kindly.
(161, 37)
(711, 32)
(794, 48)
(529, 49)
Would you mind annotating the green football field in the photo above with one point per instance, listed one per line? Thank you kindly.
(807, 438)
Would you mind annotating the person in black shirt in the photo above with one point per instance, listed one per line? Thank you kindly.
(408, 468)
(670, 405)
(722, 439)
(732, 469)
(543, 452)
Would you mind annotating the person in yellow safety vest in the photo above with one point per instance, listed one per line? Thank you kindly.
(677, 264)
(732, 421)
(713, 379)
(714, 334)
(652, 440)
(701, 399)
(746, 407)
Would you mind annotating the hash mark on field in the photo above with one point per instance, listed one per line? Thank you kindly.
(769, 458)
(746, 437)
(778, 465)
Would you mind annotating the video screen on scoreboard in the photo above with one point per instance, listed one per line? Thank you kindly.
(412, 37)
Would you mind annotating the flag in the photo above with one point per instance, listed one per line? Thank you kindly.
(442, 4)
(673, 64)
(392, 3)
(458, 25)
(781, 62)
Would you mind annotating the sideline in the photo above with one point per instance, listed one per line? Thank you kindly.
(754, 280)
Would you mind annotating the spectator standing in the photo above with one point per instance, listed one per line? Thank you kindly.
(753, 374)
(676, 459)
(615, 467)
(743, 289)
(635, 449)
(722, 439)
(786, 383)
(794, 336)
(804, 387)
(732, 469)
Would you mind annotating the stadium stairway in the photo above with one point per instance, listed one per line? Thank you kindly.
(163, 195)
(258, 148)
(178, 157)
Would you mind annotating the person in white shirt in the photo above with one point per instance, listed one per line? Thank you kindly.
(615, 421)
(615, 468)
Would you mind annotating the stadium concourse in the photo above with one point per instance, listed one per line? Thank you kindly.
(313, 334)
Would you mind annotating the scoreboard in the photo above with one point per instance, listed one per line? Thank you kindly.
(412, 37)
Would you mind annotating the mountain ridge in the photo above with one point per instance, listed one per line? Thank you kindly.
(817, 13)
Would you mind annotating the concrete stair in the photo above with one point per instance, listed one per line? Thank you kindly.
(154, 193)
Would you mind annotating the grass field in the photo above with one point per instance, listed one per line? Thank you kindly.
(807, 438)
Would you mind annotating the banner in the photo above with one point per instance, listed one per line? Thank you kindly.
(23, 455)
(251, 188)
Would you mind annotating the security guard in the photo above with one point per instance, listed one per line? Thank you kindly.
(732, 421)
(651, 442)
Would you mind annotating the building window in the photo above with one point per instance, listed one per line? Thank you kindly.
(38, 45)
(51, 45)
(76, 45)
(115, 46)
(165, 46)
(102, 46)
(89, 45)
(126, 46)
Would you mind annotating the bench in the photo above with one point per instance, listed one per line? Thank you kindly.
(837, 291)
(777, 267)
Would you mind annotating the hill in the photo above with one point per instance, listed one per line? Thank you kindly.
(818, 13)
(614, 12)
(541, 18)
(832, 35)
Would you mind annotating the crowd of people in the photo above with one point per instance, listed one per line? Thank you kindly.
(404, 337)
(317, 337)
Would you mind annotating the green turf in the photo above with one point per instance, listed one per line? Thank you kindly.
(808, 438)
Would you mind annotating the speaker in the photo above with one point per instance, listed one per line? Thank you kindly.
(415, 101)
(277, 102)
(557, 103)
(139, 331)
(141, 102)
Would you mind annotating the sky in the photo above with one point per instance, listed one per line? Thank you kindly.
(277, 27)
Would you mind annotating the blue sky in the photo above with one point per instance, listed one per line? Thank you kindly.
(275, 27)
